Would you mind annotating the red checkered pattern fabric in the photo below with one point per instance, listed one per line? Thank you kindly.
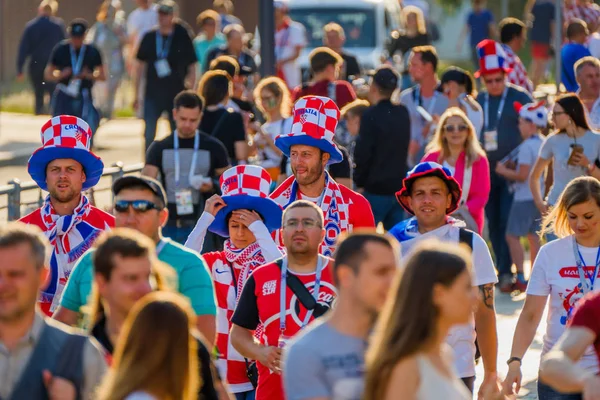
(518, 75)
(250, 180)
(66, 131)
(492, 57)
(314, 116)
(230, 363)
(589, 13)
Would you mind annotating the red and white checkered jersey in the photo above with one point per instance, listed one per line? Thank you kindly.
(589, 13)
(230, 363)
(518, 75)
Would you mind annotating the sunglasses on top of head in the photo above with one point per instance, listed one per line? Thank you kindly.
(137, 205)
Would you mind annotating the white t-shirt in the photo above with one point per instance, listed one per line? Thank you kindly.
(286, 41)
(555, 274)
(269, 158)
(462, 338)
(141, 21)
(594, 44)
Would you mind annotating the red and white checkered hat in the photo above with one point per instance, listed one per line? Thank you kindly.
(533, 112)
(314, 123)
(492, 58)
(246, 187)
(65, 136)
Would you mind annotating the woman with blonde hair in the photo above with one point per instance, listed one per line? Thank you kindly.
(408, 357)
(413, 34)
(156, 356)
(456, 147)
(274, 101)
(564, 270)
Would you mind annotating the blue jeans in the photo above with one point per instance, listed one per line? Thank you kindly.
(496, 211)
(245, 395)
(154, 106)
(177, 234)
(545, 392)
(386, 209)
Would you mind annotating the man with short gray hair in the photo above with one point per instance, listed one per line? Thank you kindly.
(587, 74)
(32, 347)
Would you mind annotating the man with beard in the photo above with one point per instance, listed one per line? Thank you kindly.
(284, 296)
(310, 148)
(327, 360)
(64, 166)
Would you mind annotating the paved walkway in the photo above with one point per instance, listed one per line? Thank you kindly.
(121, 140)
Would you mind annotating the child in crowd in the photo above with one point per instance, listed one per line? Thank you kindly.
(524, 217)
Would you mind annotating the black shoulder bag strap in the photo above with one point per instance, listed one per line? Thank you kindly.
(303, 294)
(465, 236)
(217, 127)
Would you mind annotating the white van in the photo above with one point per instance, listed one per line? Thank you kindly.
(367, 24)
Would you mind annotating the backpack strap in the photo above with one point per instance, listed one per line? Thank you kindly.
(465, 236)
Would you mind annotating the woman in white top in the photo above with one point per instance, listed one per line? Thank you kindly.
(408, 358)
(156, 355)
(564, 270)
(273, 99)
(574, 150)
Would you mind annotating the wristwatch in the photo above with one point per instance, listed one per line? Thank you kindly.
(510, 360)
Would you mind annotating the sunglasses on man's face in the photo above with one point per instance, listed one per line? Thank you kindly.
(137, 205)
(456, 128)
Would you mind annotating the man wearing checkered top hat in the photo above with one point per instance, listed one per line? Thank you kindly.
(310, 148)
(64, 166)
(500, 136)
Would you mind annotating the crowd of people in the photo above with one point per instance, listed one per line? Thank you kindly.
(246, 256)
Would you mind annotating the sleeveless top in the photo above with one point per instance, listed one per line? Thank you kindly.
(435, 385)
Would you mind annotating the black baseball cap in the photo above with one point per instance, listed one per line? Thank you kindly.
(166, 7)
(152, 184)
(78, 27)
(386, 78)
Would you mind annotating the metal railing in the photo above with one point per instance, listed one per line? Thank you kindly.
(15, 188)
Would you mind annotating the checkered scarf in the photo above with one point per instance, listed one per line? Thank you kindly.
(69, 235)
(335, 209)
(248, 259)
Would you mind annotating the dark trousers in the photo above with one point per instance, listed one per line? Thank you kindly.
(545, 392)
(40, 89)
(496, 211)
(154, 106)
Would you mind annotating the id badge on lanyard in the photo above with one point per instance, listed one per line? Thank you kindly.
(587, 281)
(74, 86)
(490, 134)
(161, 65)
(183, 196)
(282, 341)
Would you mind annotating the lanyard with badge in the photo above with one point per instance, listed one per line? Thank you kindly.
(586, 287)
(282, 299)
(419, 101)
(490, 135)
(76, 65)
(183, 197)
(161, 65)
